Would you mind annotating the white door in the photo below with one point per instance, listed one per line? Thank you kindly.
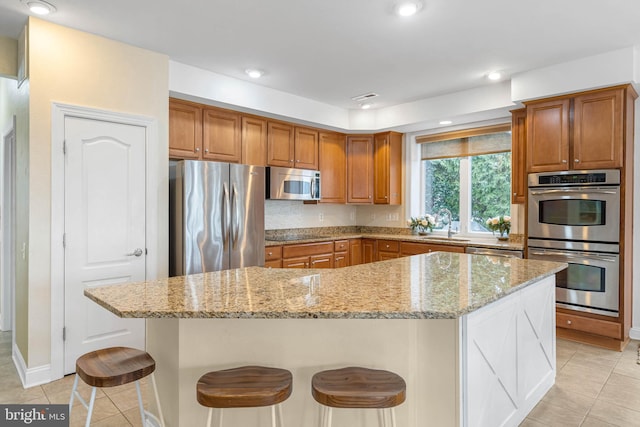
(104, 230)
(7, 226)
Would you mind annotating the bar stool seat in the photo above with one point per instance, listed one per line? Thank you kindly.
(112, 367)
(357, 387)
(245, 387)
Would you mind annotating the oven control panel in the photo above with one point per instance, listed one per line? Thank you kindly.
(597, 177)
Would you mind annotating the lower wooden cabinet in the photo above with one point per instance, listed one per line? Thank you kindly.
(411, 248)
(308, 255)
(341, 254)
(355, 251)
(368, 250)
(388, 249)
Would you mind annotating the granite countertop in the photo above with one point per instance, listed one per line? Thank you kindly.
(431, 286)
(489, 242)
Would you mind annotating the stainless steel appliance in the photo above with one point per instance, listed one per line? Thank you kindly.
(216, 216)
(292, 184)
(574, 217)
(493, 252)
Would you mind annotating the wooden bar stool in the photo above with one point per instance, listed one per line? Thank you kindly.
(356, 387)
(111, 367)
(245, 387)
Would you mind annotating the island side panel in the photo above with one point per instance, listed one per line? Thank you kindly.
(423, 352)
(509, 347)
(163, 344)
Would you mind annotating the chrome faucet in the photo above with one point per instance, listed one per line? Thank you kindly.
(448, 212)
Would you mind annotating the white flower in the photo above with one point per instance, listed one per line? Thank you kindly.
(408, 223)
(507, 218)
(495, 221)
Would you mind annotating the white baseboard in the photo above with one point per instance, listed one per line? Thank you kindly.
(634, 333)
(30, 377)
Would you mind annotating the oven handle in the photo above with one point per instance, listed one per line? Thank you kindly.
(574, 255)
(573, 190)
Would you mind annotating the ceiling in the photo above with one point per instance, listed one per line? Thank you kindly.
(332, 50)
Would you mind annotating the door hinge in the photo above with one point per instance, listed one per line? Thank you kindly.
(64, 240)
(64, 147)
(64, 333)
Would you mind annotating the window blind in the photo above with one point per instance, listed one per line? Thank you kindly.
(469, 142)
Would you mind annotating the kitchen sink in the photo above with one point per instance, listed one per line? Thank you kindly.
(445, 239)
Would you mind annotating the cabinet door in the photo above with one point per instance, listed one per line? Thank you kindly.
(299, 262)
(254, 141)
(518, 159)
(221, 136)
(321, 261)
(360, 169)
(340, 259)
(548, 136)
(277, 263)
(368, 250)
(333, 167)
(355, 251)
(280, 138)
(598, 130)
(306, 148)
(185, 130)
(387, 170)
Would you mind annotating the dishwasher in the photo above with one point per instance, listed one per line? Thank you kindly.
(493, 252)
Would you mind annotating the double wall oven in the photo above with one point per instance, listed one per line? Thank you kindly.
(574, 217)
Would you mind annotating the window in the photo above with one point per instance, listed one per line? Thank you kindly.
(469, 174)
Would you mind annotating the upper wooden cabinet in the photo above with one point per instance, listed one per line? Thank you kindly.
(518, 156)
(254, 141)
(387, 171)
(360, 169)
(548, 135)
(581, 131)
(333, 167)
(221, 136)
(292, 147)
(185, 130)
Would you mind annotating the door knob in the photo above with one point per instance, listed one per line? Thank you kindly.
(137, 252)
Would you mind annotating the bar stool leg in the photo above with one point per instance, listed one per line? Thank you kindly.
(155, 392)
(393, 417)
(90, 409)
(140, 404)
(73, 394)
(209, 417)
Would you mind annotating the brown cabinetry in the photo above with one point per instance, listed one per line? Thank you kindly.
(388, 249)
(518, 156)
(185, 130)
(308, 255)
(355, 251)
(368, 250)
(292, 147)
(387, 171)
(341, 253)
(254, 141)
(221, 136)
(411, 248)
(360, 169)
(333, 167)
(582, 131)
(273, 256)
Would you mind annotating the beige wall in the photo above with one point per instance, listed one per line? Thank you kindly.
(15, 101)
(77, 68)
(8, 57)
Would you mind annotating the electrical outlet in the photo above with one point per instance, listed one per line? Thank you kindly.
(320, 217)
(352, 216)
(394, 217)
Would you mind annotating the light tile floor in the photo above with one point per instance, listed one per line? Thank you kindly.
(594, 388)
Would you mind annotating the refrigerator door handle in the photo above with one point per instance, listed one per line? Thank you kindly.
(225, 216)
(235, 225)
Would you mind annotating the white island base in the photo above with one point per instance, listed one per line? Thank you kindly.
(486, 368)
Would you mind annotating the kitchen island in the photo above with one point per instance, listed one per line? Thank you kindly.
(473, 336)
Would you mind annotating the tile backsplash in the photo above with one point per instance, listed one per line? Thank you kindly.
(281, 214)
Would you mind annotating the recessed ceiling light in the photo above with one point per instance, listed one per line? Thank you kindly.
(39, 7)
(408, 8)
(494, 75)
(445, 122)
(365, 106)
(254, 73)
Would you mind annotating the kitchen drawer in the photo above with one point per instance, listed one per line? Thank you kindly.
(341, 245)
(388, 246)
(291, 251)
(276, 263)
(587, 324)
(272, 253)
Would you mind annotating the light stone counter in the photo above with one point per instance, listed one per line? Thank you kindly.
(473, 336)
(440, 285)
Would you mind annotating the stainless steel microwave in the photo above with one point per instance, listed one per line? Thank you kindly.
(292, 184)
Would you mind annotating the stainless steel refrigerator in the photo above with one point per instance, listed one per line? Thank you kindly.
(216, 216)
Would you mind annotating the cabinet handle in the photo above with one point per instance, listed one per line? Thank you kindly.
(270, 253)
(564, 161)
(515, 194)
(206, 150)
(387, 246)
(385, 197)
(568, 322)
(576, 161)
(429, 250)
(197, 149)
